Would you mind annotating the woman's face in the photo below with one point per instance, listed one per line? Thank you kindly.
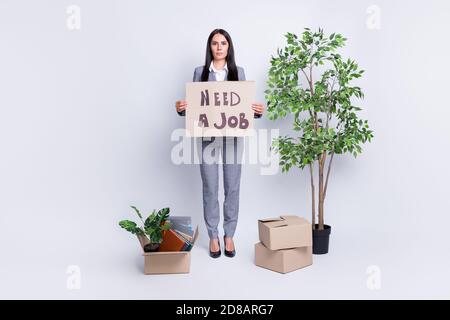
(219, 47)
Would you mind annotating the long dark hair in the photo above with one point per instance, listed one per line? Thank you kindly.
(231, 64)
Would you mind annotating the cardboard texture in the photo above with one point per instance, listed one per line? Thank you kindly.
(161, 262)
(284, 260)
(285, 243)
(219, 108)
(285, 232)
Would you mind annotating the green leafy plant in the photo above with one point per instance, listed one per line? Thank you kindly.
(153, 226)
(324, 114)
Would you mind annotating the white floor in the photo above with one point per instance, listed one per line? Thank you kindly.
(405, 266)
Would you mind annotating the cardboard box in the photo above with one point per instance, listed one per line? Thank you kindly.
(161, 262)
(285, 232)
(284, 260)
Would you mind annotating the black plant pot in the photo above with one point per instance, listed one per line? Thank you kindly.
(321, 239)
(151, 247)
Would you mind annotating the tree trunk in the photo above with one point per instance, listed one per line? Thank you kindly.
(328, 175)
(321, 190)
(313, 195)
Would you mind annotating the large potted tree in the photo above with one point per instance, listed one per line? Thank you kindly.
(312, 83)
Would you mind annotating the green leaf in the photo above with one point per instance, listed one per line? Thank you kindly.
(137, 211)
(130, 226)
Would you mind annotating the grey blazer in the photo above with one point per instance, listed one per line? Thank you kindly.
(197, 78)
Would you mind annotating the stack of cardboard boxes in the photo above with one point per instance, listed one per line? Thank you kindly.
(285, 244)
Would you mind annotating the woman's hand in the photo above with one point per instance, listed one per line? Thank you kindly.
(258, 108)
(180, 105)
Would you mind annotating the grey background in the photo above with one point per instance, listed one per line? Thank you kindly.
(85, 125)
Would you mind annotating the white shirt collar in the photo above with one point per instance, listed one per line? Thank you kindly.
(212, 68)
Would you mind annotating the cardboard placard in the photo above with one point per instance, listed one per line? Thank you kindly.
(219, 108)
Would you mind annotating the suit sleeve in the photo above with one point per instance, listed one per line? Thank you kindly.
(194, 79)
(255, 115)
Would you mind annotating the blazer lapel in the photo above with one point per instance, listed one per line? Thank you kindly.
(212, 76)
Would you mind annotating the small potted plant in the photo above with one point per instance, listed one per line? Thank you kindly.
(310, 81)
(152, 229)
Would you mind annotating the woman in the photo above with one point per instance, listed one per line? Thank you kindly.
(220, 66)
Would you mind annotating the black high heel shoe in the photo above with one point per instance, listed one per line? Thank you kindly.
(229, 254)
(215, 254)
